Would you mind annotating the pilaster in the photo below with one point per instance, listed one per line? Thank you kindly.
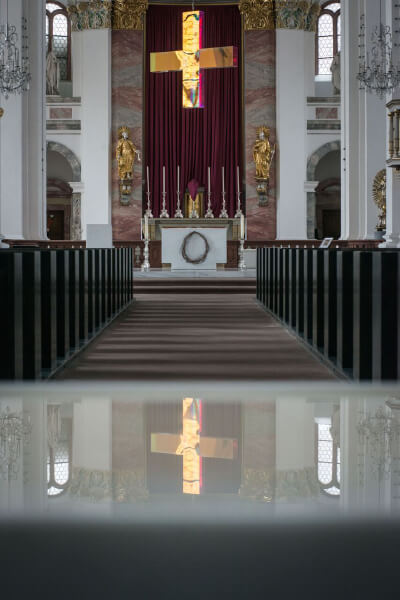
(392, 238)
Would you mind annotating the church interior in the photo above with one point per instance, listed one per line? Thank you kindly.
(199, 297)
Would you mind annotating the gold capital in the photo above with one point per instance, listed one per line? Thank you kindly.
(129, 14)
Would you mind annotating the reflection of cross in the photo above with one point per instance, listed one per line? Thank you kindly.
(192, 446)
(192, 58)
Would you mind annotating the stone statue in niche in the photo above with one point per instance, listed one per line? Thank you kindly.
(335, 70)
(126, 153)
(379, 195)
(52, 74)
(263, 155)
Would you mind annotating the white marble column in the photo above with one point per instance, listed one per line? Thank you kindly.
(22, 135)
(96, 126)
(393, 177)
(351, 200)
(294, 82)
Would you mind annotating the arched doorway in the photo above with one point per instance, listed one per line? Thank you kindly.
(323, 203)
(63, 204)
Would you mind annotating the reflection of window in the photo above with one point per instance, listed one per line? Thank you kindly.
(58, 36)
(59, 460)
(328, 37)
(328, 458)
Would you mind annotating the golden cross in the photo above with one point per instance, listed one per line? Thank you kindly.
(192, 58)
(192, 446)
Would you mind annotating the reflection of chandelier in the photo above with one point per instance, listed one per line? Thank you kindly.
(378, 74)
(14, 431)
(14, 65)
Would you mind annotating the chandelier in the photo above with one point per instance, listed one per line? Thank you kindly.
(14, 65)
(377, 73)
(379, 434)
(14, 431)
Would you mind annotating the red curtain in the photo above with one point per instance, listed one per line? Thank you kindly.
(193, 138)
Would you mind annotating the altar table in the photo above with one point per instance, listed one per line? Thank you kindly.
(173, 240)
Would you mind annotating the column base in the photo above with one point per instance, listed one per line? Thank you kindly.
(392, 240)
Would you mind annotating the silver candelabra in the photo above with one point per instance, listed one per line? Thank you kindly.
(209, 214)
(148, 211)
(164, 213)
(224, 214)
(146, 264)
(239, 209)
(242, 264)
(178, 213)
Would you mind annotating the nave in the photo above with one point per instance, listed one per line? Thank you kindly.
(205, 336)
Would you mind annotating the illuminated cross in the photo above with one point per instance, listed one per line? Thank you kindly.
(192, 447)
(192, 58)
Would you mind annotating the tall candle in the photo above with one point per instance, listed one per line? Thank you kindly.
(178, 178)
(163, 179)
(223, 180)
(209, 179)
(148, 180)
(146, 227)
(242, 227)
(238, 179)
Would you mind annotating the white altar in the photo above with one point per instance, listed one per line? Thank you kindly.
(181, 245)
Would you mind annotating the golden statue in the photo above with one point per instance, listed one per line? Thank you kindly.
(263, 154)
(125, 154)
(379, 195)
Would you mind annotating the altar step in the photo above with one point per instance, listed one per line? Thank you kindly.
(245, 285)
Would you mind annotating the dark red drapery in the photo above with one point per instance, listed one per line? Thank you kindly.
(193, 138)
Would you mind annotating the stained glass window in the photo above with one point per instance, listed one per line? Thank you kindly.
(328, 458)
(58, 36)
(328, 37)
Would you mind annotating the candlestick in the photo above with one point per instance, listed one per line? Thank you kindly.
(146, 227)
(242, 226)
(223, 213)
(164, 213)
(146, 264)
(209, 214)
(242, 264)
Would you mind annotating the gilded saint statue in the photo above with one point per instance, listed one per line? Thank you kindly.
(263, 154)
(126, 151)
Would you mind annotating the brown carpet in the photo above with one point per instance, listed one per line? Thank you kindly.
(187, 336)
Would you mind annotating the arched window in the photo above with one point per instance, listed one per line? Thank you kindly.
(328, 457)
(58, 36)
(59, 433)
(328, 37)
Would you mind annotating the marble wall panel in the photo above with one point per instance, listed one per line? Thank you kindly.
(127, 95)
(61, 113)
(327, 113)
(260, 109)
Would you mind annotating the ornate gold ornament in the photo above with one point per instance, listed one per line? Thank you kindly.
(258, 14)
(379, 196)
(263, 155)
(90, 15)
(280, 14)
(1, 112)
(126, 153)
(129, 14)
